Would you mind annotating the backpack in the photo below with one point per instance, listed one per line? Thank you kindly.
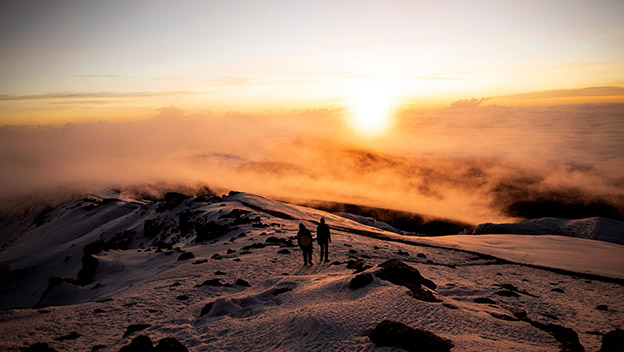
(305, 239)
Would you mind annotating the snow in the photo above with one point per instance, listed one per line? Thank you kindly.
(289, 307)
(596, 228)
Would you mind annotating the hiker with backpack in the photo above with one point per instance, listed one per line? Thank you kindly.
(323, 237)
(304, 238)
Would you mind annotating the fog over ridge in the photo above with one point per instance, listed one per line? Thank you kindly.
(468, 162)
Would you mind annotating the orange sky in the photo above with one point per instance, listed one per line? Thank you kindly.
(75, 61)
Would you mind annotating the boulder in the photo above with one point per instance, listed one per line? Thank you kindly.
(170, 344)
(134, 328)
(395, 334)
(613, 341)
(139, 344)
(361, 280)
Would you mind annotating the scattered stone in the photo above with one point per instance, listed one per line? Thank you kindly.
(71, 336)
(506, 293)
(219, 272)
(216, 256)
(450, 306)
(201, 261)
(182, 297)
(395, 334)
(256, 245)
(175, 284)
(602, 307)
(129, 304)
(366, 256)
(97, 348)
(283, 251)
(503, 316)
(245, 252)
(40, 347)
(186, 256)
(518, 313)
(352, 251)
(421, 255)
(134, 328)
(230, 251)
(235, 259)
(347, 245)
(283, 242)
(567, 337)
(206, 309)
(139, 344)
(170, 344)
(402, 274)
(483, 300)
(557, 289)
(361, 280)
(376, 248)
(279, 290)
(613, 341)
(211, 282)
(400, 252)
(241, 282)
(210, 231)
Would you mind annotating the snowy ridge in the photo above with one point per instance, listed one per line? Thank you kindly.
(223, 273)
(596, 228)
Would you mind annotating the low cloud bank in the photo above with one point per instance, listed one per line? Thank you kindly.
(466, 162)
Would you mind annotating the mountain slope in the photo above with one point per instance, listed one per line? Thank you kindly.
(247, 277)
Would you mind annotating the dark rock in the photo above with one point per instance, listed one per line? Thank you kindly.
(400, 252)
(40, 347)
(602, 307)
(483, 300)
(170, 344)
(355, 264)
(421, 255)
(347, 245)
(361, 280)
(43, 311)
(567, 337)
(376, 248)
(71, 336)
(284, 242)
(450, 306)
(152, 228)
(99, 311)
(201, 261)
(557, 289)
(279, 290)
(139, 344)
(171, 201)
(175, 284)
(503, 316)
(256, 245)
(244, 252)
(216, 256)
(352, 251)
(87, 271)
(365, 256)
(241, 282)
(283, 251)
(186, 256)
(206, 309)
(97, 348)
(134, 328)
(230, 251)
(219, 272)
(613, 341)
(211, 282)
(506, 293)
(400, 273)
(518, 313)
(395, 334)
(210, 231)
(163, 245)
(182, 297)
(95, 247)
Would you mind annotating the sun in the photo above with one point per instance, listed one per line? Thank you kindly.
(370, 107)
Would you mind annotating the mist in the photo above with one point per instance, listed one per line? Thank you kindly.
(467, 162)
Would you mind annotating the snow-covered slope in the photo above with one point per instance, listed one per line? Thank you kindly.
(115, 263)
(596, 228)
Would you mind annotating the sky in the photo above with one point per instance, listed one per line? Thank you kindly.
(76, 61)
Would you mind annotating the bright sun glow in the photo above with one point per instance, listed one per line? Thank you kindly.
(370, 109)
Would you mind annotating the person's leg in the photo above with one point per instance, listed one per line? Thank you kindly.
(305, 256)
(322, 251)
(310, 255)
(326, 252)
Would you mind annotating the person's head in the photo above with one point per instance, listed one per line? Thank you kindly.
(301, 226)
(322, 220)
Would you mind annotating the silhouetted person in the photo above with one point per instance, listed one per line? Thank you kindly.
(323, 237)
(304, 238)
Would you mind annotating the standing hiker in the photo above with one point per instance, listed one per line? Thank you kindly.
(323, 237)
(304, 238)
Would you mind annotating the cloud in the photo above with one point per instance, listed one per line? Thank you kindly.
(103, 95)
(570, 93)
(490, 163)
